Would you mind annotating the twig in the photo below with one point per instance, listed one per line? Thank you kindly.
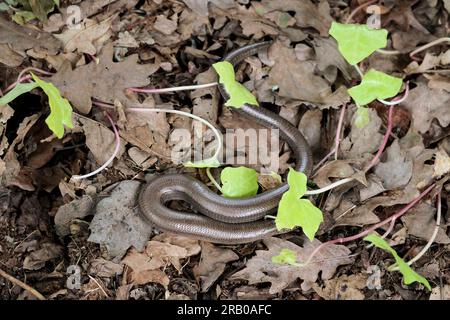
(373, 228)
(431, 241)
(116, 151)
(99, 286)
(173, 89)
(24, 286)
(359, 8)
(338, 132)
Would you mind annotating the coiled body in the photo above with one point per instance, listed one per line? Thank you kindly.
(220, 219)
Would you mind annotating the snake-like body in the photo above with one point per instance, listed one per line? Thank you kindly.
(220, 219)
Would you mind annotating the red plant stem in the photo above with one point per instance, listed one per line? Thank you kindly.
(22, 78)
(385, 140)
(391, 104)
(359, 8)
(37, 70)
(12, 85)
(374, 227)
(338, 132)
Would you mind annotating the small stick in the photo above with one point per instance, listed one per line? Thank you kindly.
(21, 284)
(338, 132)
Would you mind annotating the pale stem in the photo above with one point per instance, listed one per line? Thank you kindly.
(173, 89)
(329, 187)
(428, 45)
(210, 176)
(111, 159)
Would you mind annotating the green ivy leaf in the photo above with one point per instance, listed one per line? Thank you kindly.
(207, 163)
(357, 41)
(239, 182)
(362, 117)
(286, 256)
(409, 275)
(297, 182)
(375, 85)
(239, 95)
(18, 90)
(295, 212)
(60, 108)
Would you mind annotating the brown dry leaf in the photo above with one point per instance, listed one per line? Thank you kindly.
(22, 38)
(106, 81)
(430, 61)
(397, 170)
(76, 209)
(9, 57)
(374, 187)
(406, 41)
(334, 169)
(146, 265)
(100, 140)
(260, 268)
(362, 142)
(441, 163)
(164, 25)
(403, 15)
(14, 174)
(212, 264)
(438, 82)
(105, 269)
(426, 104)
(310, 127)
(361, 215)
(88, 38)
(297, 80)
(307, 14)
(117, 224)
(95, 289)
(343, 288)
(191, 245)
(439, 293)
(329, 57)
(37, 259)
(201, 6)
(420, 222)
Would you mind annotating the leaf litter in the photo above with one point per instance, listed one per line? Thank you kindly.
(120, 45)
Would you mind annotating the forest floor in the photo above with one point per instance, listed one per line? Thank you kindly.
(84, 239)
